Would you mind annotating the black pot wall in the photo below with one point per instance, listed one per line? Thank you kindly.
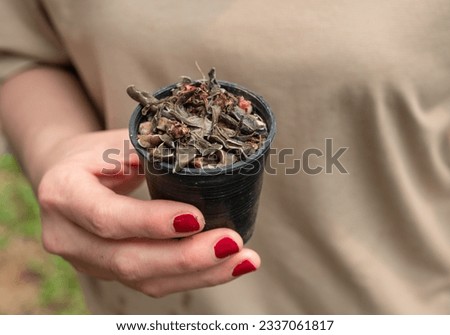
(227, 197)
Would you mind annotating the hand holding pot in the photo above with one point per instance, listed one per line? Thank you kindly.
(89, 221)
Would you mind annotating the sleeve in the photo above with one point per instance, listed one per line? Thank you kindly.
(27, 38)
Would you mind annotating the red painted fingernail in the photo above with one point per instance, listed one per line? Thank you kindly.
(225, 247)
(185, 223)
(243, 268)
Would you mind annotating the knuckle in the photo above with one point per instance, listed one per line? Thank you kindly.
(188, 258)
(47, 195)
(154, 290)
(100, 224)
(125, 266)
(51, 243)
(186, 262)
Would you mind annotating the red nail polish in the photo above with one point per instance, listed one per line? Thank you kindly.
(243, 268)
(185, 223)
(225, 247)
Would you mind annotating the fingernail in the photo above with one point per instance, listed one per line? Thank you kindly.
(243, 268)
(185, 223)
(225, 247)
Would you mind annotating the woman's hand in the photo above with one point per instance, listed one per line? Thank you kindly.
(155, 247)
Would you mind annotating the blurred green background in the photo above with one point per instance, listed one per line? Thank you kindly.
(31, 280)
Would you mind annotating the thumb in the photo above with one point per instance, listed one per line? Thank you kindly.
(124, 175)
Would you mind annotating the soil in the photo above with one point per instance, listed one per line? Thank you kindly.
(19, 284)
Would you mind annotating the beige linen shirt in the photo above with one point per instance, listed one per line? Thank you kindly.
(361, 93)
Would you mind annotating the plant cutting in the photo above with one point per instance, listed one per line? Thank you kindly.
(204, 142)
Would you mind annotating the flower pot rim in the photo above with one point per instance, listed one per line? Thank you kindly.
(137, 117)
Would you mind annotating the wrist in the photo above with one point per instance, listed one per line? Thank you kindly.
(41, 109)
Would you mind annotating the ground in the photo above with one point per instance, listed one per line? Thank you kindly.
(31, 280)
(19, 283)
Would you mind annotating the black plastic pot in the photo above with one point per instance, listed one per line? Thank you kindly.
(229, 196)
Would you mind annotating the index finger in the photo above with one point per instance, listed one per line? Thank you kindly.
(81, 197)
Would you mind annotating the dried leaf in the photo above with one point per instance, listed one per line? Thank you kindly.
(199, 125)
(183, 156)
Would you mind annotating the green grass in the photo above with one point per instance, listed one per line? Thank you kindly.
(59, 291)
(19, 212)
(3, 242)
(59, 288)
